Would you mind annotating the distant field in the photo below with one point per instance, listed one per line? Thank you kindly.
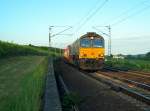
(21, 83)
(134, 64)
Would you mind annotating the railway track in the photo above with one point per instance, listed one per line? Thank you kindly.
(137, 73)
(92, 91)
(128, 81)
(118, 85)
(95, 94)
(137, 90)
(137, 77)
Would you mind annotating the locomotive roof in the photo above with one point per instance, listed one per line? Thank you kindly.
(91, 34)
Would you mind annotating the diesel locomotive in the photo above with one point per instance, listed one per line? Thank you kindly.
(87, 52)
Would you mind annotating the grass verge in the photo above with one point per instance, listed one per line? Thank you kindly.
(21, 83)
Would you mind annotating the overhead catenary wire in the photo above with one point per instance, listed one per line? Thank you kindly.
(125, 12)
(76, 25)
(130, 15)
(109, 35)
(87, 14)
(68, 27)
(91, 15)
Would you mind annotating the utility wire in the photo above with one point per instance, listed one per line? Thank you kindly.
(87, 14)
(94, 27)
(129, 16)
(84, 17)
(69, 27)
(91, 15)
(127, 11)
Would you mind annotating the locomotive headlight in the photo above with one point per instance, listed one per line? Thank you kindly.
(91, 37)
(84, 55)
(100, 55)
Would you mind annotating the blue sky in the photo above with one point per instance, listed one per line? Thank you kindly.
(27, 22)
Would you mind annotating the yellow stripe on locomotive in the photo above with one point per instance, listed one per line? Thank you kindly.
(91, 53)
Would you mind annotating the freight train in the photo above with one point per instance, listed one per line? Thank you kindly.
(87, 52)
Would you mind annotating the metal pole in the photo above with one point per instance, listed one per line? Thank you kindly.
(55, 52)
(53, 35)
(108, 35)
(109, 40)
(109, 47)
(50, 38)
(60, 52)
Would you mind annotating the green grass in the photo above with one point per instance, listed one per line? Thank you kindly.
(21, 83)
(10, 49)
(133, 64)
(70, 100)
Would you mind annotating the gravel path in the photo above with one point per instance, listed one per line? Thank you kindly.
(96, 96)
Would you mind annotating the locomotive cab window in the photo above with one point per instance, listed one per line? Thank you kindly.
(85, 42)
(98, 43)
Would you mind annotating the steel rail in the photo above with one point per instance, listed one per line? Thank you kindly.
(138, 84)
(117, 87)
(128, 71)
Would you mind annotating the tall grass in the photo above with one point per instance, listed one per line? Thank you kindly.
(133, 64)
(11, 49)
(22, 84)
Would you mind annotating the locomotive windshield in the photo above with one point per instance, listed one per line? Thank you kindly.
(85, 42)
(98, 43)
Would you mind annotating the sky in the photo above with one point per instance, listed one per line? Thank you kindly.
(28, 21)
